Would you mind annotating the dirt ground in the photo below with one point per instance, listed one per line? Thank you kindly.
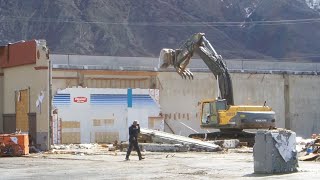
(189, 165)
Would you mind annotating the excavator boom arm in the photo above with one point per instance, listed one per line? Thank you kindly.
(180, 58)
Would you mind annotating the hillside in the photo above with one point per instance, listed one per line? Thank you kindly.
(236, 28)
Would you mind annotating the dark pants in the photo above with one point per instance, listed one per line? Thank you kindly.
(133, 143)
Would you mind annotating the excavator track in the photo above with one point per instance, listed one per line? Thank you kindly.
(242, 136)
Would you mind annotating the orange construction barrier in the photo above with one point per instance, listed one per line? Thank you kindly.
(14, 144)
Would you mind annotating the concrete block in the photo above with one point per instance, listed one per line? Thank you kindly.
(275, 151)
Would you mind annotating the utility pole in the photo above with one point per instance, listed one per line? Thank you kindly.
(50, 105)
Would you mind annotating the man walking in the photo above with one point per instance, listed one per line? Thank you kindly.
(134, 130)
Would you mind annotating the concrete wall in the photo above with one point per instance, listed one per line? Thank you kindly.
(298, 104)
(304, 101)
(1, 99)
(254, 89)
(34, 77)
(179, 100)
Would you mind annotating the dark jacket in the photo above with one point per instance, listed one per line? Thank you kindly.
(133, 132)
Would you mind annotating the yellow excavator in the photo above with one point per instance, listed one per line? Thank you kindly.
(219, 113)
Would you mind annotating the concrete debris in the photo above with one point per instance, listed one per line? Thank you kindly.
(79, 149)
(228, 143)
(275, 151)
(167, 138)
(74, 146)
(309, 148)
(153, 147)
(310, 157)
(150, 140)
(302, 144)
(241, 150)
(111, 147)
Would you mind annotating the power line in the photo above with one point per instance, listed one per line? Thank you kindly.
(177, 24)
(168, 24)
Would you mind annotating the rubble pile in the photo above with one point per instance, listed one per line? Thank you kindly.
(152, 141)
(309, 149)
(227, 143)
(80, 149)
(74, 146)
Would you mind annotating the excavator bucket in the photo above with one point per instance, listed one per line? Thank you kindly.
(167, 58)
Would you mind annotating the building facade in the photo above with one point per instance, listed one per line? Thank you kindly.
(26, 81)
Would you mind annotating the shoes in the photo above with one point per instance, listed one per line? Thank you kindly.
(127, 159)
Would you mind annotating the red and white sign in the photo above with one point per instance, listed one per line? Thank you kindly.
(80, 99)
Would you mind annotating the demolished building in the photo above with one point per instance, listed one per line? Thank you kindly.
(25, 85)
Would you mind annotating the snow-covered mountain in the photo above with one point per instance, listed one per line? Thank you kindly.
(313, 4)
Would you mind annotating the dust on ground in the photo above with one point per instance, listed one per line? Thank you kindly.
(182, 165)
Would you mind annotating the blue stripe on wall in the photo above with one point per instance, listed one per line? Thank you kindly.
(129, 97)
(61, 99)
(107, 99)
(120, 99)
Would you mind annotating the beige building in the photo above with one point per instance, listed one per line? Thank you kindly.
(24, 81)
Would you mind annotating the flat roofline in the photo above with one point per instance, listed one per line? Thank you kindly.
(149, 64)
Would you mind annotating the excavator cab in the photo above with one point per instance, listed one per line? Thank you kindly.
(209, 112)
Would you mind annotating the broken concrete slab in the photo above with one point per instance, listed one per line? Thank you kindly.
(155, 147)
(152, 147)
(275, 151)
(228, 143)
(167, 138)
